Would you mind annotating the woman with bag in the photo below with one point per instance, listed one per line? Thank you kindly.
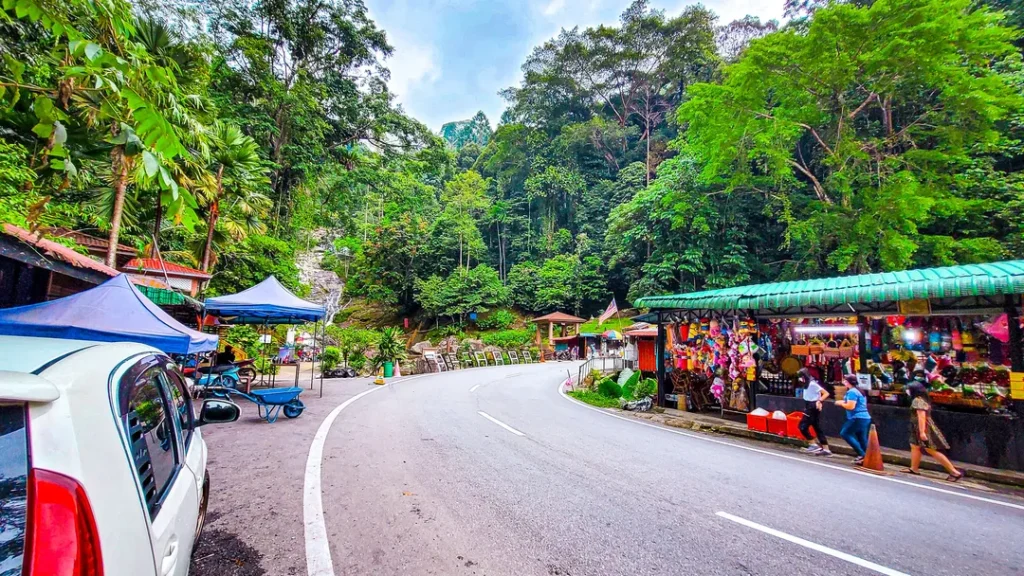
(924, 434)
(858, 420)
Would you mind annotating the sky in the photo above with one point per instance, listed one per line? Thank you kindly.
(453, 56)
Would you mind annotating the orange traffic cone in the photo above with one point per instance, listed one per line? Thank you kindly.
(873, 455)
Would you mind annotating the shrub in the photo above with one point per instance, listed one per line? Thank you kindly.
(508, 338)
(357, 361)
(609, 388)
(498, 320)
(265, 365)
(330, 358)
(594, 399)
(456, 330)
(646, 387)
(390, 347)
(627, 391)
(632, 380)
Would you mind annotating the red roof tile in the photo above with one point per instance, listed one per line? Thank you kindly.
(560, 318)
(57, 251)
(155, 265)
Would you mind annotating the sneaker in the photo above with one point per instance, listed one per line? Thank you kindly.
(858, 461)
(824, 452)
(812, 449)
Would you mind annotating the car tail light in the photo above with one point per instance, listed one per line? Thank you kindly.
(61, 538)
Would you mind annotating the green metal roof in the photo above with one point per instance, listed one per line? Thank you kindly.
(947, 282)
(162, 297)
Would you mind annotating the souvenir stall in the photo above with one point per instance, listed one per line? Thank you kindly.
(955, 329)
(712, 362)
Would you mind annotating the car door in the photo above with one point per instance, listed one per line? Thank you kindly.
(191, 438)
(168, 487)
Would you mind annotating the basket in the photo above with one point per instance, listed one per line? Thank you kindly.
(816, 347)
(759, 423)
(847, 349)
(800, 349)
(831, 350)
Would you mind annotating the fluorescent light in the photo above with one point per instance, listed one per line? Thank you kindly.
(825, 329)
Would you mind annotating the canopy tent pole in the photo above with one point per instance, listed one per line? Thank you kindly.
(312, 365)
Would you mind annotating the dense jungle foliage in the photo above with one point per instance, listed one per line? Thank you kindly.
(665, 153)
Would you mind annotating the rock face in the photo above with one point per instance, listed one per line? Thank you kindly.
(419, 347)
(476, 130)
(326, 287)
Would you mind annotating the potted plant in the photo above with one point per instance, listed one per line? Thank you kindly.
(390, 349)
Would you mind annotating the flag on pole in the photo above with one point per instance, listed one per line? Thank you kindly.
(612, 309)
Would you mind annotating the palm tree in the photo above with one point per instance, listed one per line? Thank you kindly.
(238, 170)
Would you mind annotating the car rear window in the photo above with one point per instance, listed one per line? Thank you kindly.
(13, 487)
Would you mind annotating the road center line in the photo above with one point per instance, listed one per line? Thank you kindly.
(318, 551)
(793, 458)
(816, 547)
(500, 423)
(473, 389)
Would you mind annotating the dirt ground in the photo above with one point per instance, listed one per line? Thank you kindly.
(254, 527)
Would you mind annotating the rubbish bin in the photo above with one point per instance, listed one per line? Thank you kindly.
(389, 369)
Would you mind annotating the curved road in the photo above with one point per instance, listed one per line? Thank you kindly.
(491, 471)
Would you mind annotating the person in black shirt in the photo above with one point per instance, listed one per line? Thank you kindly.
(227, 356)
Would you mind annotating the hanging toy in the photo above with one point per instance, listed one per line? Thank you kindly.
(947, 339)
(876, 335)
(955, 337)
(714, 329)
(935, 340)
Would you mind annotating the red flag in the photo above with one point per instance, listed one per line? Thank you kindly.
(612, 309)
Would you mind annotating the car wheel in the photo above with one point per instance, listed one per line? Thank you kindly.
(204, 502)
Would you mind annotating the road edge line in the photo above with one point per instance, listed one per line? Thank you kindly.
(318, 549)
(562, 393)
(844, 556)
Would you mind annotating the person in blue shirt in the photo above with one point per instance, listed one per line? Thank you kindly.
(858, 420)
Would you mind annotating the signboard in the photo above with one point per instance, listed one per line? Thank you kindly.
(1017, 385)
(864, 381)
(919, 307)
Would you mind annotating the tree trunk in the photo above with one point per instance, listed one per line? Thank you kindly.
(120, 166)
(211, 221)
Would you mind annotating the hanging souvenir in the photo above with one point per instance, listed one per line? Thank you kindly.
(955, 338)
(935, 339)
(714, 329)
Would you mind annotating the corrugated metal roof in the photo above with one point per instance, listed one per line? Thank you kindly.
(946, 282)
(159, 266)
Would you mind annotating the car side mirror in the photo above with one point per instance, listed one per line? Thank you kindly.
(216, 411)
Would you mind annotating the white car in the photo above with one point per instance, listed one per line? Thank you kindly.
(102, 463)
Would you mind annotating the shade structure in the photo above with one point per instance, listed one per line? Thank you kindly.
(114, 311)
(612, 335)
(265, 303)
(971, 280)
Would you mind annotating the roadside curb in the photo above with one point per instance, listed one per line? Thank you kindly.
(987, 475)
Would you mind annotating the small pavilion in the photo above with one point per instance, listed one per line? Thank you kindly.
(561, 319)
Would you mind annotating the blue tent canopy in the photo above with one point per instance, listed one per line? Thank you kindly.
(265, 303)
(111, 312)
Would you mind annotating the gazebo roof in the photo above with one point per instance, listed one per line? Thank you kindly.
(559, 318)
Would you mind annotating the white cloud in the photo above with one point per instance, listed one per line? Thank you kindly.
(553, 7)
(412, 66)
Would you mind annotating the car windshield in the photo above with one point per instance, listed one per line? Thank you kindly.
(13, 488)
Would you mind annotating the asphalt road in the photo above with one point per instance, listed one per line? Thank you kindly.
(416, 480)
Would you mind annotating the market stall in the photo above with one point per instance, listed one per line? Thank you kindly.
(956, 329)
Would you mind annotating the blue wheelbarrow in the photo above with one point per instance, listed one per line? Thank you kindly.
(270, 402)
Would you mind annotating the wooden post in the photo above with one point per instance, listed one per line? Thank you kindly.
(551, 332)
(659, 354)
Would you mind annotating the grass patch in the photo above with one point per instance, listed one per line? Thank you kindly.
(594, 398)
(609, 324)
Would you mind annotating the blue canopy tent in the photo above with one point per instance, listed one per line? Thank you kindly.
(268, 303)
(265, 303)
(114, 311)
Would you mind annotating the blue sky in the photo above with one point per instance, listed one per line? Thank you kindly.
(453, 56)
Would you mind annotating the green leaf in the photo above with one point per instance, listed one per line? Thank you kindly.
(43, 108)
(43, 129)
(151, 164)
(92, 51)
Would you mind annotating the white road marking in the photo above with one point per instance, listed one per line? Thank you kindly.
(816, 547)
(473, 389)
(318, 551)
(793, 458)
(500, 423)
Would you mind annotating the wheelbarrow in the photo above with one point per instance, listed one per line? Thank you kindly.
(270, 402)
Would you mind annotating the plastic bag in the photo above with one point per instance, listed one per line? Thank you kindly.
(759, 412)
(778, 415)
